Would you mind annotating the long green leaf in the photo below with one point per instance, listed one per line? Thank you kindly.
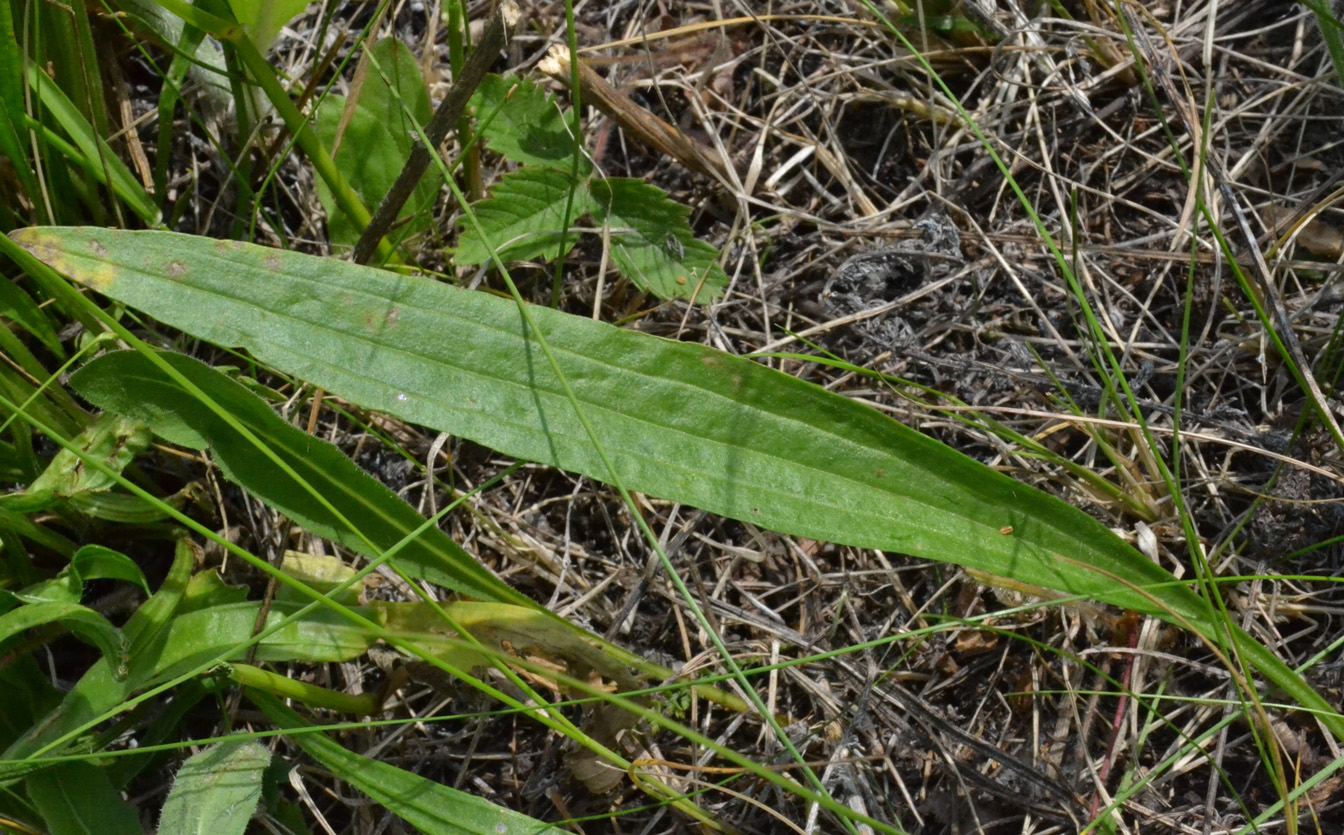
(679, 421)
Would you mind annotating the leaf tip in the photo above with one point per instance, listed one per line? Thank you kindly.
(53, 249)
(39, 243)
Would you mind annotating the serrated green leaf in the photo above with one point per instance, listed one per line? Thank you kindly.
(525, 124)
(376, 142)
(128, 383)
(429, 807)
(658, 252)
(523, 218)
(216, 791)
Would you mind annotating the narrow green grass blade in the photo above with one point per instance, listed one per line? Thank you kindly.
(95, 156)
(11, 111)
(425, 805)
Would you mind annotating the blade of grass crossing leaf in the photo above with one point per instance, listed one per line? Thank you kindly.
(609, 470)
(216, 791)
(428, 806)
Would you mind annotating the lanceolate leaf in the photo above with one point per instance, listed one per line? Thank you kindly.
(678, 420)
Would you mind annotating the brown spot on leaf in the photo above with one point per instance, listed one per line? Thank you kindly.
(176, 269)
(97, 248)
(273, 262)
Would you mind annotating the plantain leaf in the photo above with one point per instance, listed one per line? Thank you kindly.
(677, 420)
(680, 421)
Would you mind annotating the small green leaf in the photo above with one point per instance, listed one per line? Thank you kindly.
(525, 124)
(263, 19)
(375, 143)
(523, 218)
(208, 589)
(216, 791)
(96, 562)
(656, 250)
(428, 806)
(320, 572)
